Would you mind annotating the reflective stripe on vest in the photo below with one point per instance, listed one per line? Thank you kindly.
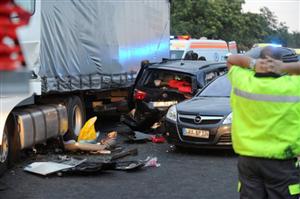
(264, 97)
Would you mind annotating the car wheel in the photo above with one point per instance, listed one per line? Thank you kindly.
(76, 117)
(10, 148)
(4, 151)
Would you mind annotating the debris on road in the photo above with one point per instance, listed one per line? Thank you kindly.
(138, 137)
(158, 139)
(94, 167)
(124, 153)
(88, 132)
(46, 168)
(107, 143)
(151, 162)
(129, 165)
(67, 164)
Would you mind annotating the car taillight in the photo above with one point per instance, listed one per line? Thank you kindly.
(139, 95)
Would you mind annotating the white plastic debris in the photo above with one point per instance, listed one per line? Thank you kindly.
(151, 162)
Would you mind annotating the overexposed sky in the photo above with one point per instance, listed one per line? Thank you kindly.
(287, 11)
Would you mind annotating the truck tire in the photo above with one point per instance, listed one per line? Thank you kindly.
(10, 148)
(76, 117)
(4, 151)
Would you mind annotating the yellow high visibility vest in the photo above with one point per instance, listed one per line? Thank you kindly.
(266, 114)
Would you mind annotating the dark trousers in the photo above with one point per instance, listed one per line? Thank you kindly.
(262, 178)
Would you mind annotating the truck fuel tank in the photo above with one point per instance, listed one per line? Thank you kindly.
(38, 123)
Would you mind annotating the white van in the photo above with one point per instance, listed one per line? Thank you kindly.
(211, 50)
(232, 47)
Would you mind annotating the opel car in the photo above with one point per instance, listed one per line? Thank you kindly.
(204, 120)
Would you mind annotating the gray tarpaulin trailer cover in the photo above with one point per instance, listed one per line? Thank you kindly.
(99, 44)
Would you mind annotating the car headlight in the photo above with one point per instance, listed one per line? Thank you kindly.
(172, 113)
(228, 119)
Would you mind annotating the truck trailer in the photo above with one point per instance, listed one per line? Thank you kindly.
(82, 55)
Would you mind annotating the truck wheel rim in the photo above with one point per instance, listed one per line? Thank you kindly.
(77, 120)
(4, 149)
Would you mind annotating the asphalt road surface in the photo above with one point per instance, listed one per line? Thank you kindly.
(183, 174)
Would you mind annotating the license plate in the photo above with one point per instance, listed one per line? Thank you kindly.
(195, 133)
(163, 104)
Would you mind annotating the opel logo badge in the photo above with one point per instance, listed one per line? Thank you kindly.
(165, 95)
(198, 119)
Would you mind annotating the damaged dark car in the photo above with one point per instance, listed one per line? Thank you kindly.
(159, 86)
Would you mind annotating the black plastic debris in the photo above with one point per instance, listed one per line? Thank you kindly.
(94, 167)
(129, 165)
(124, 153)
(90, 167)
(138, 137)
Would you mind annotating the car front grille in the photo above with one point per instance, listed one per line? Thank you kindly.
(190, 119)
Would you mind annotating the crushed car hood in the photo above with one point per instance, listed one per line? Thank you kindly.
(205, 105)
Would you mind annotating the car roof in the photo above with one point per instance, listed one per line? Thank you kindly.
(185, 66)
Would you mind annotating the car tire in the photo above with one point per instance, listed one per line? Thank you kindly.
(76, 117)
(4, 152)
(10, 148)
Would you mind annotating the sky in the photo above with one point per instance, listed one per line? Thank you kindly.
(287, 11)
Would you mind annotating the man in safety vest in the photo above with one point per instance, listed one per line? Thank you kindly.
(266, 123)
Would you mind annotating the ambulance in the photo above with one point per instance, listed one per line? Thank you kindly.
(206, 49)
(232, 47)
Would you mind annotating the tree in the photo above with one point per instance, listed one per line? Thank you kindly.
(224, 19)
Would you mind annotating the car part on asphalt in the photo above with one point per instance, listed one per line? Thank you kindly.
(124, 153)
(107, 143)
(151, 162)
(158, 139)
(47, 168)
(138, 137)
(88, 132)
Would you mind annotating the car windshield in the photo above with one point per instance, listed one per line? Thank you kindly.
(220, 87)
(176, 54)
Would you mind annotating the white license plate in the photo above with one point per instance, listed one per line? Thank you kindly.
(163, 104)
(195, 133)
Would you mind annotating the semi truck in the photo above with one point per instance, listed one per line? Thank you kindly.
(82, 56)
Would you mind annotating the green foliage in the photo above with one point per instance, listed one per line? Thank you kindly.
(224, 19)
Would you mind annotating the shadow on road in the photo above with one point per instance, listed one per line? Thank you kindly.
(205, 152)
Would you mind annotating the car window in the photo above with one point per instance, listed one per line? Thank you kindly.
(220, 87)
(211, 75)
(161, 79)
(176, 54)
